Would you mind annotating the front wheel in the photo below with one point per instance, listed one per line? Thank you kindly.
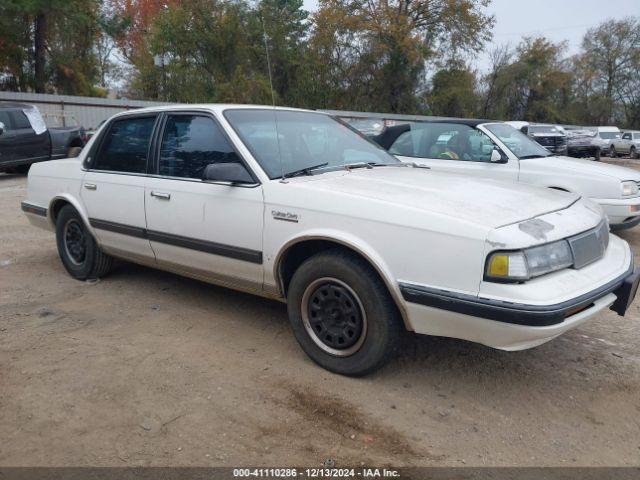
(633, 153)
(79, 252)
(612, 152)
(598, 155)
(342, 314)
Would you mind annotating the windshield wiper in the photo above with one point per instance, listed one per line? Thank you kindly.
(305, 170)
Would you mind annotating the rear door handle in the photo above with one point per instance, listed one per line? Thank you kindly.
(90, 186)
(162, 195)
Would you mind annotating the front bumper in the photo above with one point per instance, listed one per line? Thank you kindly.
(621, 213)
(583, 150)
(520, 316)
(623, 287)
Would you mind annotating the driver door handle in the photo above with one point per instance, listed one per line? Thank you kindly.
(162, 195)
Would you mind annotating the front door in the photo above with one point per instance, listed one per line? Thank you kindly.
(212, 230)
(113, 187)
(455, 148)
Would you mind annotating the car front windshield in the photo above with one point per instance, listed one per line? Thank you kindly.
(543, 129)
(609, 135)
(284, 141)
(520, 144)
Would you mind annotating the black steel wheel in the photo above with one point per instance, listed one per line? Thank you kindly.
(333, 316)
(342, 313)
(78, 250)
(75, 242)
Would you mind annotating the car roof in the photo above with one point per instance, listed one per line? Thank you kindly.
(215, 107)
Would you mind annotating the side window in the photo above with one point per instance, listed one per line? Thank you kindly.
(20, 120)
(190, 143)
(404, 144)
(6, 119)
(125, 146)
(626, 136)
(447, 141)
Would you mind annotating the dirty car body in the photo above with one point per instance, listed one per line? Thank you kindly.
(297, 206)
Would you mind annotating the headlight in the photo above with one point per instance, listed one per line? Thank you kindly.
(532, 262)
(629, 189)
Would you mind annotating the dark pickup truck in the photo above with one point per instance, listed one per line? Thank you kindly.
(24, 138)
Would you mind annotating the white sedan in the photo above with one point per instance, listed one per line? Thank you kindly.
(297, 206)
(499, 151)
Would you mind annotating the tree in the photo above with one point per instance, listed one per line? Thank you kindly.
(48, 45)
(607, 66)
(453, 93)
(535, 85)
(372, 54)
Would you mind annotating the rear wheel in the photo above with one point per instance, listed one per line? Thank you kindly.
(598, 154)
(79, 252)
(342, 314)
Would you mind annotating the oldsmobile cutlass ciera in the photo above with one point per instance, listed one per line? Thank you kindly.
(298, 206)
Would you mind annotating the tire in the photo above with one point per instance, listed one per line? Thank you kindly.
(598, 155)
(342, 285)
(74, 152)
(78, 250)
(612, 152)
(633, 153)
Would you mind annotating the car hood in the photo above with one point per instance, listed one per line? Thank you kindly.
(484, 202)
(587, 167)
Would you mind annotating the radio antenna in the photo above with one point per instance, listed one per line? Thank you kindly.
(266, 49)
(273, 96)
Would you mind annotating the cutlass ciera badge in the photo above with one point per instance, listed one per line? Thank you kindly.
(285, 216)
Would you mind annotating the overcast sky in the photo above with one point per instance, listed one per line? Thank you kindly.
(556, 19)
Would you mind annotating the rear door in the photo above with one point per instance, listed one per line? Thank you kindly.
(113, 186)
(213, 230)
(7, 151)
(27, 144)
(453, 147)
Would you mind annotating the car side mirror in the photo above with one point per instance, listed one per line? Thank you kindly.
(234, 172)
(525, 130)
(496, 156)
(2, 128)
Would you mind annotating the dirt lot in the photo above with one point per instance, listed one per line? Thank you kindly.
(147, 368)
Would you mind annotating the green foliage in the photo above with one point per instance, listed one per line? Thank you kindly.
(534, 86)
(63, 60)
(454, 93)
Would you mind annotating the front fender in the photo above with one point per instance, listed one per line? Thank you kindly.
(350, 241)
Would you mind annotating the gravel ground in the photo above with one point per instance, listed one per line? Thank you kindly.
(148, 368)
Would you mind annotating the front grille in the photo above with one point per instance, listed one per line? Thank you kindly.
(589, 246)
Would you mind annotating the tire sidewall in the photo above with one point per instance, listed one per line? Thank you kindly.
(82, 271)
(382, 327)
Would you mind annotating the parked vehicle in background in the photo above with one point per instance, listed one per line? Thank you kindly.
(628, 144)
(551, 137)
(297, 206)
(584, 143)
(25, 138)
(607, 135)
(499, 151)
